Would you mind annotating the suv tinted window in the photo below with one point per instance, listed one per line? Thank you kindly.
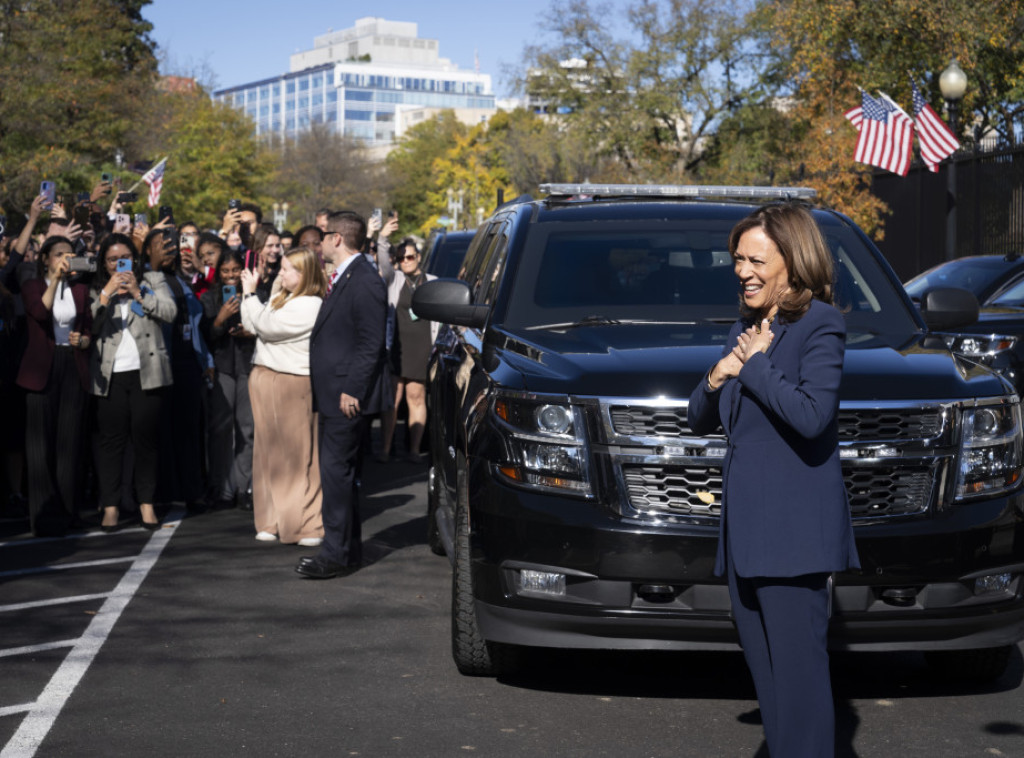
(673, 271)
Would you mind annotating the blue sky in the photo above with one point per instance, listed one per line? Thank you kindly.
(243, 42)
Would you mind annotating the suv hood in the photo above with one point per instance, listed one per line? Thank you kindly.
(668, 360)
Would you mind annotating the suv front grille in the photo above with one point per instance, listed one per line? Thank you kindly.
(874, 491)
(661, 480)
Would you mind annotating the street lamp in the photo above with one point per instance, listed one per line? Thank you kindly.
(455, 206)
(280, 215)
(953, 85)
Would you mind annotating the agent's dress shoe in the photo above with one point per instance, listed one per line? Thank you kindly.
(321, 568)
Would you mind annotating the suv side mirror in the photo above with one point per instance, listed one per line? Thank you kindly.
(448, 301)
(947, 308)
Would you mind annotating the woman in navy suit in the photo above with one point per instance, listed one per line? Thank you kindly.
(785, 524)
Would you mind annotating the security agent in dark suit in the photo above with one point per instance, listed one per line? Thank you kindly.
(346, 361)
(785, 523)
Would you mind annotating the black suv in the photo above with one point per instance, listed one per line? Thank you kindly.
(579, 510)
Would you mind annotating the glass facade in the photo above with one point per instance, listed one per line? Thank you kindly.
(358, 104)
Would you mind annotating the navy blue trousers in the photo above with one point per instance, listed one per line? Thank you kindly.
(783, 627)
(340, 443)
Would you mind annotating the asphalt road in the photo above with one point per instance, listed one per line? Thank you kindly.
(200, 641)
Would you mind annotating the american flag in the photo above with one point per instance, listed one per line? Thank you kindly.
(155, 179)
(886, 134)
(934, 138)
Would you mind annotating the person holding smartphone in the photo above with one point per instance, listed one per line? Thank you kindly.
(55, 375)
(130, 369)
(181, 429)
(230, 424)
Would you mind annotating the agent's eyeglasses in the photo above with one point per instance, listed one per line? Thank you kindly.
(410, 257)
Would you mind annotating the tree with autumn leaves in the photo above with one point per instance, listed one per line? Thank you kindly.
(754, 93)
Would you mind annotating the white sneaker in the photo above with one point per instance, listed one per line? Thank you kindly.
(310, 542)
(266, 537)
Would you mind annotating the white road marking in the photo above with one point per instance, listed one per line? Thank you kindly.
(11, 710)
(43, 713)
(65, 566)
(73, 536)
(54, 601)
(29, 649)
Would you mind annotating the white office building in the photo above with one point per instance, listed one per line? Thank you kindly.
(363, 81)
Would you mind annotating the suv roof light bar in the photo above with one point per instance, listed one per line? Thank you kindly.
(678, 190)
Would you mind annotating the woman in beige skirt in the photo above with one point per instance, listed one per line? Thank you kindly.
(285, 464)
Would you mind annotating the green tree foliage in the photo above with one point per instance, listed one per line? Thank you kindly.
(410, 169)
(72, 78)
(651, 101)
(212, 155)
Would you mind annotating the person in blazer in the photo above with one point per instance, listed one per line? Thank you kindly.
(55, 374)
(346, 366)
(130, 368)
(785, 524)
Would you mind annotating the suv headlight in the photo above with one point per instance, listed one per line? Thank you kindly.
(545, 442)
(990, 449)
(982, 348)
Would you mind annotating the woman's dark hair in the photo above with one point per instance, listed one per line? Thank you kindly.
(792, 229)
(227, 255)
(44, 252)
(102, 275)
(209, 238)
(309, 227)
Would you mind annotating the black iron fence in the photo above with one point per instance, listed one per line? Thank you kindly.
(989, 201)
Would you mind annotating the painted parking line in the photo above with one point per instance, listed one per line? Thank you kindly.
(41, 647)
(54, 601)
(42, 714)
(65, 566)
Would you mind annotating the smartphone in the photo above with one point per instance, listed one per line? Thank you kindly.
(234, 204)
(122, 219)
(49, 189)
(378, 214)
(228, 291)
(124, 265)
(3, 224)
(106, 177)
(141, 218)
(127, 197)
(81, 216)
(82, 197)
(188, 241)
(166, 212)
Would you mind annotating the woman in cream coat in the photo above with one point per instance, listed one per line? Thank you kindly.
(285, 463)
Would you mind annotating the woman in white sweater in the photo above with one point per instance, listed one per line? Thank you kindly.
(285, 464)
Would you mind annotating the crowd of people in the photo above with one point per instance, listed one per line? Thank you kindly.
(142, 366)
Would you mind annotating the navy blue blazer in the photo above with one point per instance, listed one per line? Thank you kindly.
(784, 506)
(346, 347)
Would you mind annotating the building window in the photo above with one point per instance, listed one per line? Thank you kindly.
(290, 105)
(277, 90)
(317, 81)
(362, 95)
(318, 99)
(332, 116)
(277, 108)
(381, 116)
(289, 87)
(332, 96)
(264, 92)
(303, 84)
(329, 77)
(358, 115)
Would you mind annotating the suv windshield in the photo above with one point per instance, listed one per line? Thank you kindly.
(673, 271)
